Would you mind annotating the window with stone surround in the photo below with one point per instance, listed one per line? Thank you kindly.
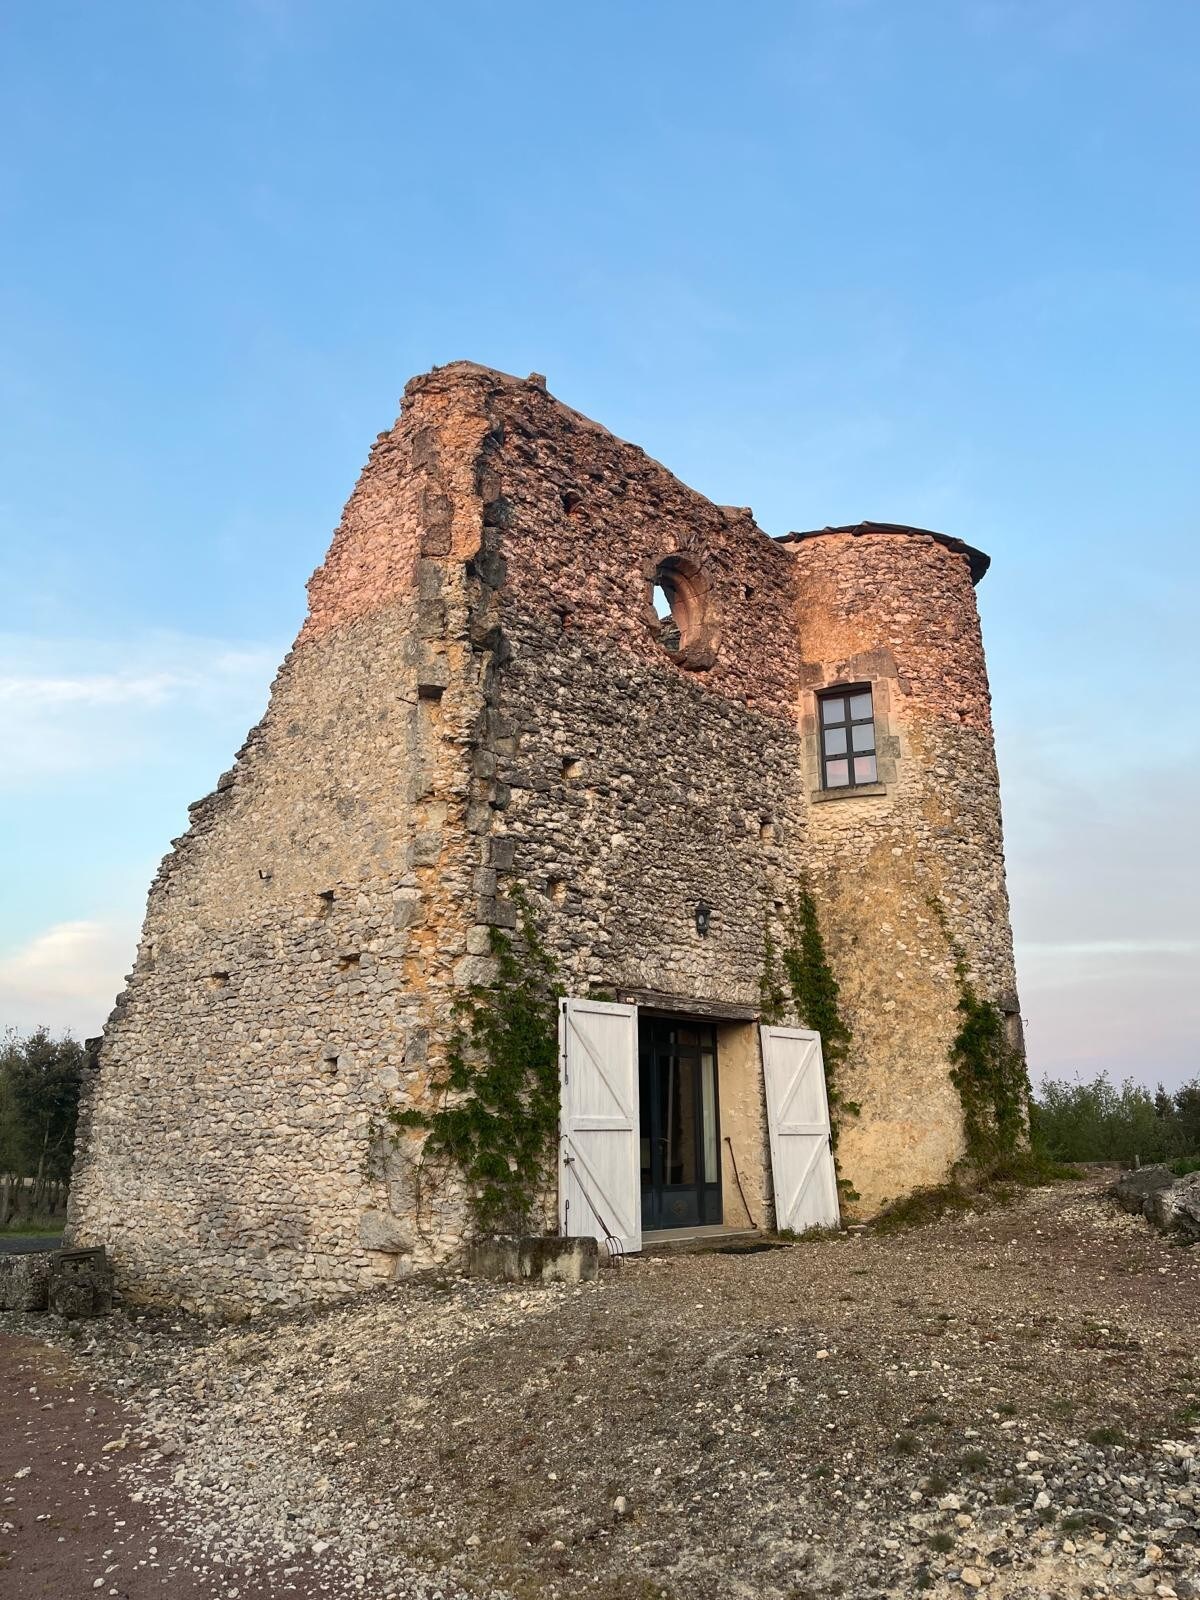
(847, 732)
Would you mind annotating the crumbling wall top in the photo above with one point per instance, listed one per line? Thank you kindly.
(979, 562)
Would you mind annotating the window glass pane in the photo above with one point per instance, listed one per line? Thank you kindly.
(678, 1109)
(708, 1093)
(837, 774)
(864, 736)
(835, 741)
(833, 710)
(864, 769)
(860, 706)
(645, 1105)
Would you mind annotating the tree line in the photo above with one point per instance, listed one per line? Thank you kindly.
(1103, 1121)
(40, 1077)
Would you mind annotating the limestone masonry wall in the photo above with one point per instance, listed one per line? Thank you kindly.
(899, 612)
(483, 696)
(304, 938)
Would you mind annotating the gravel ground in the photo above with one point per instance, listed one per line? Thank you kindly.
(1008, 1402)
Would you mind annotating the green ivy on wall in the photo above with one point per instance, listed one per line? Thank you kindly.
(990, 1075)
(986, 1068)
(807, 979)
(498, 1115)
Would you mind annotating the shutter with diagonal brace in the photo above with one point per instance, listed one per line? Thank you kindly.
(805, 1179)
(599, 1188)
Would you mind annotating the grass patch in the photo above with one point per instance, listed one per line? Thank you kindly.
(974, 1461)
(905, 1444)
(814, 1235)
(943, 1543)
(995, 1184)
(923, 1206)
(936, 1483)
(1076, 1522)
(1107, 1435)
(26, 1225)
(1031, 1168)
(1185, 1165)
(927, 1419)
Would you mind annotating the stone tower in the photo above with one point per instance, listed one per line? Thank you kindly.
(484, 695)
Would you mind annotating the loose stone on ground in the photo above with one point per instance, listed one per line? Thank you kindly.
(1008, 1405)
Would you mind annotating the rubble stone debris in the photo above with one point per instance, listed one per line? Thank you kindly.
(1168, 1202)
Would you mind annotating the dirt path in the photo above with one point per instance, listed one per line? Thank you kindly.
(67, 1522)
(73, 1523)
(1006, 1403)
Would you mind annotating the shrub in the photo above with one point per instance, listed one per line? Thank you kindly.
(1099, 1121)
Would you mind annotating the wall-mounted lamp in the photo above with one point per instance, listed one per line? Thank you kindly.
(703, 918)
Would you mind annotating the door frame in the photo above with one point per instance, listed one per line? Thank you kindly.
(706, 1196)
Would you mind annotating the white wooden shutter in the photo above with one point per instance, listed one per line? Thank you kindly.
(802, 1167)
(600, 1181)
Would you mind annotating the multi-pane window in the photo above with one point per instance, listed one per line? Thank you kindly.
(847, 738)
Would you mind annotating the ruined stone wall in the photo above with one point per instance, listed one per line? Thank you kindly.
(898, 611)
(304, 937)
(637, 786)
(483, 698)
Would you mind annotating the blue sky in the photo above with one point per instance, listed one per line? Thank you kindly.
(926, 262)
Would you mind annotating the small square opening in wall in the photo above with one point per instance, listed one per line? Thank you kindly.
(847, 734)
(572, 768)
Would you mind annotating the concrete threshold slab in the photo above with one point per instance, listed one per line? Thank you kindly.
(678, 1241)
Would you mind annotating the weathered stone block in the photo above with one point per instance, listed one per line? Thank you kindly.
(535, 1258)
(1135, 1191)
(69, 1283)
(380, 1230)
(81, 1283)
(25, 1281)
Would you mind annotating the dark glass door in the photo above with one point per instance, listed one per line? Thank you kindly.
(680, 1133)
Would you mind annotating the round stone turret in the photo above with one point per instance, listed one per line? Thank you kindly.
(904, 841)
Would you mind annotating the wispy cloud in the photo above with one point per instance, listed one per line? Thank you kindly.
(85, 706)
(66, 977)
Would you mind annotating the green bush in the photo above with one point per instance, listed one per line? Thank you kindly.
(1100, 1121)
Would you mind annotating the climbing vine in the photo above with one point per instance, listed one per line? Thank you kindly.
(771, 995)
(498, 1112)
(990, 1075)
(986, 1068)
(815, 995)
